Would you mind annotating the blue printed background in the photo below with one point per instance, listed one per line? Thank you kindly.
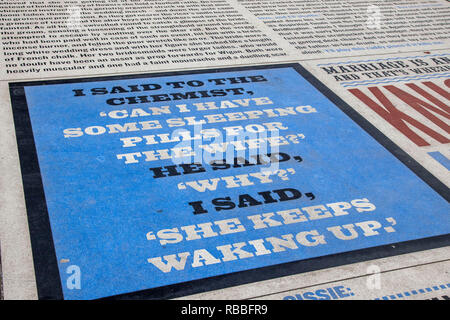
(101, 209)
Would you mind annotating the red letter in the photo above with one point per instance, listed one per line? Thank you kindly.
(397, 118)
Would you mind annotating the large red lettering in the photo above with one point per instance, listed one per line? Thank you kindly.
(399, 119)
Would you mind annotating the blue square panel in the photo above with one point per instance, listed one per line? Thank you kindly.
(135, 199)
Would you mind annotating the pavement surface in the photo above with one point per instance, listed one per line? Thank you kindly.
(1, 279)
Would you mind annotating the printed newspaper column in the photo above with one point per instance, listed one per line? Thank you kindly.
(86, 38)
(430, 282)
